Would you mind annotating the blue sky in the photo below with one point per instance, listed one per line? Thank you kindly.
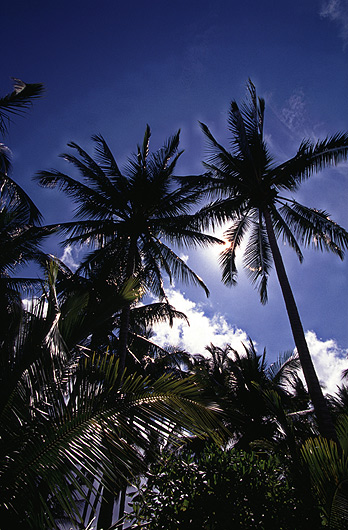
(110, 68)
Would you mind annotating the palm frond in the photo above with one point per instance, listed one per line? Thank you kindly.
(221, 211)
(253, 114)
(284, 369)
(329, 476)
(316, 228)
(227, 259)
(20, 242)
(175, 266)
(18, 101)
(5, 161)
(74, 441)
(310, 158)
(105, 157)
(257, 258)
(85, 195)
(14, 197)
(144, 150)
(155, 313)
(236, 126)
(282, 228)
(92, 174)
(215, 146)
(159, 163)
(184, 232)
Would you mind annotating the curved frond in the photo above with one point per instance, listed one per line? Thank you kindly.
(155, 313)
(92, 173)
(14, 197)
(98, 432)
(219, 212)
(162, 162)
(170, 261)
(90, 200)
(329, 475)
(282, 228)
(316, 228)
(105, 157)
(20, 243)
(258, 258)
(310, 158)
(284, 369)
(144, 150)
(18, 101)
(227, 259)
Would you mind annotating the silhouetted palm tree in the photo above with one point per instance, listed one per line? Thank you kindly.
(19, 237)
(97, 305)
(131, 217)
(17, 102)
(67, 427)
(241, 382)
(251, 191)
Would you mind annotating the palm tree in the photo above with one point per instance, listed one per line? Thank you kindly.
(130, 218)
(99, 314)
(20, 234)
(19, 243)
(250, 189)
(67, 428)
(16, 103)
(241, 384)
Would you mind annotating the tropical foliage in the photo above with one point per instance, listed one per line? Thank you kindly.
(90, 404)
(20, 233)
(256, 397)
(67, 423)
(220, 490)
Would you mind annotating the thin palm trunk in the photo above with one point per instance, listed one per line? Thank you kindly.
(123, 337)
(125, 315)
(324, 419)
(105, 518)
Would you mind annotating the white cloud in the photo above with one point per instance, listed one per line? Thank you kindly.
(328, 357)
(32, 305)
(202, 329)
(69, 257)
(292, 115)
(331, 9)
(297, 124)
(329, 361)
(295, 118)
(337, 11)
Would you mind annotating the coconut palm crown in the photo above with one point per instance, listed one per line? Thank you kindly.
(247, 187)
(131, 217)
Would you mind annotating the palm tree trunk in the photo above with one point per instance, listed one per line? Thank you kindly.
(123, 337)
(325, 423)
(125, 315)
(107, 506)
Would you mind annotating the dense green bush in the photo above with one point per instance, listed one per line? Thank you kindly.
(221, 490)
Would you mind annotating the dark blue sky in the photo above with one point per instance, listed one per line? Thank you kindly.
(110, 67)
